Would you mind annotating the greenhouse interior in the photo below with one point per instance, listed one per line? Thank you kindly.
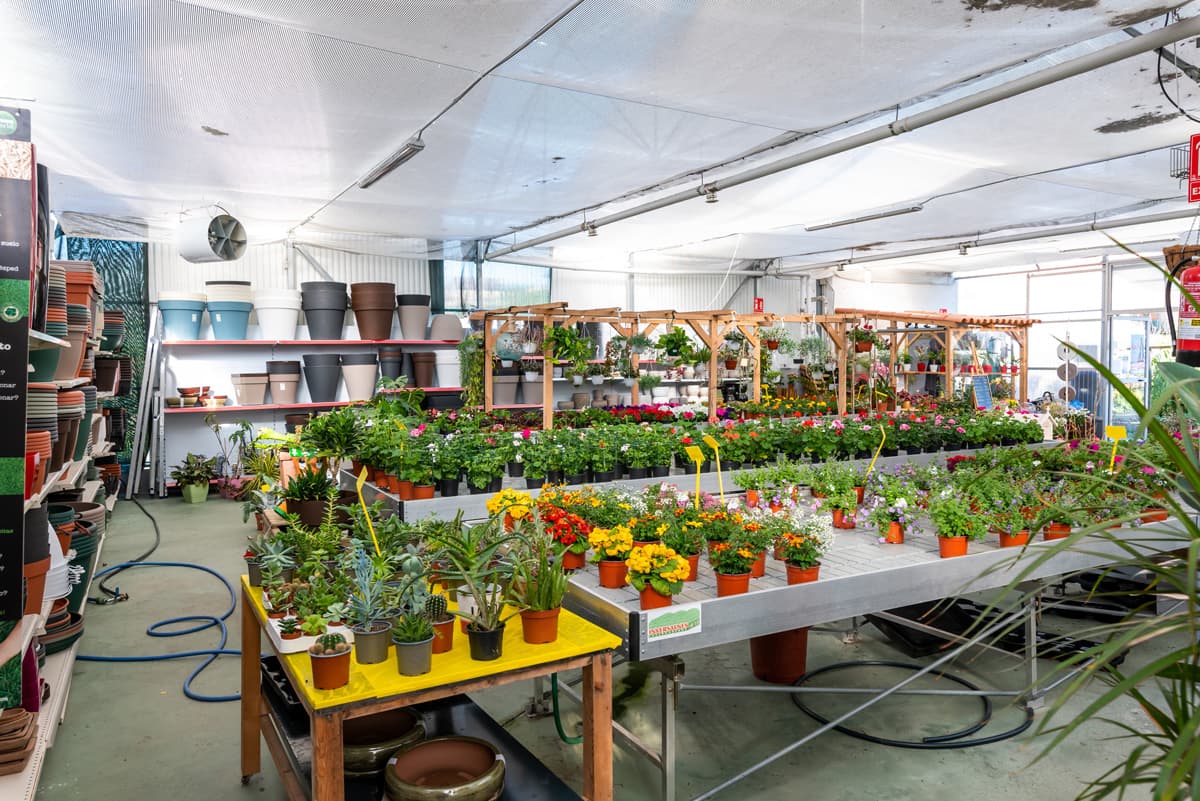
(482, 401)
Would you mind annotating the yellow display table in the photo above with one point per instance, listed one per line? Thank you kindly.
(380, 687)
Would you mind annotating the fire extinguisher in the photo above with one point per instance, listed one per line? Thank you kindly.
(1186, 336)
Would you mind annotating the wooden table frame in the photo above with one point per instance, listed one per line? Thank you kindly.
(328, 781)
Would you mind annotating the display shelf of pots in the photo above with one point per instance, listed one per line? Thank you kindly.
(68, 383)
(255, 407)
(38, 340)
(57, 673)
(298, 343)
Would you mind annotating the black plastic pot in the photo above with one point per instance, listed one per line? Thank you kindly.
(447, 487)
(516, 469)
(600, 476)
(325, 323)
(283, 368)
(660, 470)
(731, 465)
(391, 368)
(534, 483)
(486, 645)
(575, 478)
(555, 476)
(37, 544)
(639, 472)
(321, 373)
(359, 358)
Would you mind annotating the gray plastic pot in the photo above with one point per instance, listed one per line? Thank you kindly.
(371, 647)
(325, 323)
(321, 374)
(284, 387)
(504, 389)
(414, 658)
(413, 311)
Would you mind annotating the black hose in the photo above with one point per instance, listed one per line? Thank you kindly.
(114, 594)
(939, 742)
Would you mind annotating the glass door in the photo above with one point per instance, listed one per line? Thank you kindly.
(1139, 342)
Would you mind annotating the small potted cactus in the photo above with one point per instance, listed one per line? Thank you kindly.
(289, 629)
(330, 658)
(442, 621)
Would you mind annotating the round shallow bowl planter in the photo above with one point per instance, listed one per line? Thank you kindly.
(802, 575)
(194, 493)
(1017, 540)
(486, 644)
(573, 561)
(446, 769)
(371, 645)
(952, 546)
(443, 635)
(614, 573)
(540, 626)
(894, 534)
(732, 584)
(414, 658)
(369, 742)
(653, 599)
(330, 671)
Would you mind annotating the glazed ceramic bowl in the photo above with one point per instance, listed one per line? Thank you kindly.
(446, 769)
(369, 742)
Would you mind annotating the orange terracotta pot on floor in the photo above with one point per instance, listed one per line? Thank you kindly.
(894, 534)
(952, 546)
(1154, 515)
(780, 658)
(802, 575)
(759, 568)
(1017, 540)
(653, 599)
(732, 584)
(613, 573)
(539, 627)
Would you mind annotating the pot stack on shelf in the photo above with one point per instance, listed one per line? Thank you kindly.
(229, 304)
(112, 334)
(278, 313)
(41, 410)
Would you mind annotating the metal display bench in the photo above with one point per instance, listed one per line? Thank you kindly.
(378, 688)
(859, 576)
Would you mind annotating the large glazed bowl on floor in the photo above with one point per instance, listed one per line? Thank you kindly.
(446, 769)
(368, 742)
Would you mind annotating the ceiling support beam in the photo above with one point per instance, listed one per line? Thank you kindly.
(1059, 72)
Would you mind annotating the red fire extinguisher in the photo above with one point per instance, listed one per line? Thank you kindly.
(1186, 335)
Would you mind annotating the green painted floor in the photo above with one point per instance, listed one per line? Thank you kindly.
(130, 732)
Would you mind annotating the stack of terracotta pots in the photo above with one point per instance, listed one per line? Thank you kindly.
(374, 305)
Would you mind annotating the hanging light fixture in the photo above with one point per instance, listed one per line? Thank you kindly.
(409, 149)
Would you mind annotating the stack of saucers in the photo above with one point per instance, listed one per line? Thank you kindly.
(41, 414)
(113, 333)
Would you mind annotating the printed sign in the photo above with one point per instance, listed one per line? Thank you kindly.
(758, 305)
(673, 621)
(983, 392)
(1194, 169)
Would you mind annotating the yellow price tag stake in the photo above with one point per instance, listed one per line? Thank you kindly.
(697, 456)
(358, 485)
(711, 442)
(1116, 434)
(882, 439)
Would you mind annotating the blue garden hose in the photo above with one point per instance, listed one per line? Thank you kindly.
(201, 622)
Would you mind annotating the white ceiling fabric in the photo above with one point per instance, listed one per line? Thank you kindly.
(149, 109)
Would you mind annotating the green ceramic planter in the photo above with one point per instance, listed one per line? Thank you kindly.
(194, 493)
(369, 742)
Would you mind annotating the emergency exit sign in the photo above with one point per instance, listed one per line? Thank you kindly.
(1194, 169)
(758, 302)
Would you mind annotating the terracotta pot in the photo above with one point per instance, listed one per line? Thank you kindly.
(404, 489)
(780, 658)
(1154, 515)
(952, 546)
(573, 561)
(539, 627)
(652, 598)
(443, 636)
(1056, 531)
(731, 364)
(613, 573)
(422, 492)
(759, 568)
(35, 584)
(775, 507)
(295, 635)
(1017, 540)
(693, 567)
(802, 575)
(858, 491)
(732, 584)
(330, 672)
(894, 533)
(841, 520)
(752, 498)
(862, 347)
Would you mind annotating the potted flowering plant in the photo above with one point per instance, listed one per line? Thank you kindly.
(611, 548)
(802, 548)
(569, 533)
(513, 504)
(864, 339)
(731, 561)
(892, 507)
(657, 573)
(647, 529)
(777, 337)
(685, 537)
(955, 523)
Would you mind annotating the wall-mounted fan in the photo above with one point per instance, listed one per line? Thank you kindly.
(204, 239)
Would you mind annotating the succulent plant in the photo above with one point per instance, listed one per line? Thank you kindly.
(289, 625)
(314, 625)
(329, 645)
(436, 609)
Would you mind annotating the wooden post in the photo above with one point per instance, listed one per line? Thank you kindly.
(751, 334)
(328, 774)
(547, 377)
(489, 343)
(251, 689)
(597, 729)
(841, 342)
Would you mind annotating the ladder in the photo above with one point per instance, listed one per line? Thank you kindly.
(149, 432)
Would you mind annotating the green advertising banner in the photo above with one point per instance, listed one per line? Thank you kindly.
(18, 203)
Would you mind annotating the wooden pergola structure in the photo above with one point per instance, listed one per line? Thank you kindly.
(711, 327)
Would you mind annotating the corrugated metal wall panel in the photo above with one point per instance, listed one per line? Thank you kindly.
(266, 266)
(681, 292)
(587, 290)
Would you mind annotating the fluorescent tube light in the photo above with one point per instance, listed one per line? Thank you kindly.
(879, 215)
(409, 149)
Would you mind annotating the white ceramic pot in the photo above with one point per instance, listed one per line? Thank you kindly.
(447, 365)
(360, 380)
(277, 322)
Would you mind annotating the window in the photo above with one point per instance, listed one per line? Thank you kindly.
(503, 285)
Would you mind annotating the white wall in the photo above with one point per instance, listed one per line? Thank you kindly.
(882, 296)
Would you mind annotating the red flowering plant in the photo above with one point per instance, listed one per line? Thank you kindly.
(568, 531)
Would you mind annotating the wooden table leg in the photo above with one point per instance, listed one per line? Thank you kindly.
(597, 729)
(251, 693)
(328, 778)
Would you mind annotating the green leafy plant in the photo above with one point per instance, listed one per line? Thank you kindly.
(194, 469)
(470, 365)
(309, 485)
(413, 627)
(313, 625)
(539, 582)
(953, 517)
(675, 343)
(289, 625)
(780, 335)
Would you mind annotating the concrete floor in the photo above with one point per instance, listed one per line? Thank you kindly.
(131, 733)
